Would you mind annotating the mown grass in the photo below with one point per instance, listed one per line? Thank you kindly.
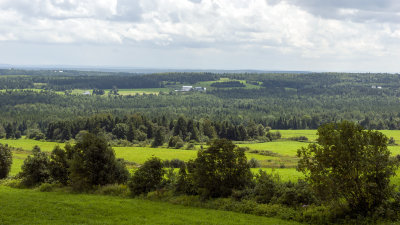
(26, 206)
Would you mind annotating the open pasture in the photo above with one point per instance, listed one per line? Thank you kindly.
(28, 144)
(284, 161)
(281, 147)
(26, 206)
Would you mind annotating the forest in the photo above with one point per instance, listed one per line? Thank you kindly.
(239, 107)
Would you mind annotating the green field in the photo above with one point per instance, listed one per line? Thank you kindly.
(286, 152)
(207, 84)
(26, 206)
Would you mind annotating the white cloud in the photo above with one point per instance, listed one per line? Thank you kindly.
(286, 27)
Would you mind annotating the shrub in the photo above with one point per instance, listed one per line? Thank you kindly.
(266, 187)
(185, 183)
(147, 178)
(296, 194)
(5, 160)
(299, 138)
(58, 165)
(35, 134)
(220, 169)
(93, 163)
(273, 135)
(175, 142)
(174, 163)
(253, 163)
(35, 169)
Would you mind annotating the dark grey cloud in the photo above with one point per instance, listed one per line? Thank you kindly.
(353, 10)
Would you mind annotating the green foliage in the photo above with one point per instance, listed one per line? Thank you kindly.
(158, 138)
(266, 187)
(5, 160)
(221, 168)
(254, 163)
(35, 169)
(175, 142)
(93, 163)
(351, 163)
(185, 184)
(58, 165)
(35, 134)
(147, 178)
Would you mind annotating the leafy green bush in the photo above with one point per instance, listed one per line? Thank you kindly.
(175, 142)
(93, 163)
(253, 163)
(266, 187)
(299, 138)
(173, 163)
(220, 169)
(35, 169)
(5, 160)
(58, 165)
(147, 178)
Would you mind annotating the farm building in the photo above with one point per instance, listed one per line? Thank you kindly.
(190, 88)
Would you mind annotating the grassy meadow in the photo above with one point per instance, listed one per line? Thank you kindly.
(283, 162)
(65, 208)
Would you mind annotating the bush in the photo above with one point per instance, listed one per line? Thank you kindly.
(93, 163)
(58, 165)
(266, 187)
(147, 178)
(35, 169)
(299, 138)
(253, 163)
(185, 183)
(220, 169)
(5, 160)
(174, 163)
(273, 135)
(296, 194)
(175, 142)
(35, 134)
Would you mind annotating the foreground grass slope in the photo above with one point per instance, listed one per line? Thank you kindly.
(25, 206)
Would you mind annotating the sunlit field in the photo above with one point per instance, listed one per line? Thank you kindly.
(283, 161)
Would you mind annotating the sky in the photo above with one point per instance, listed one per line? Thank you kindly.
(306, 35)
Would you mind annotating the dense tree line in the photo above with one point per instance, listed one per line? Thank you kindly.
(282, 101)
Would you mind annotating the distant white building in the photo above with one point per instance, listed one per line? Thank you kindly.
(86, 93)
(190, 88)
(187, 88)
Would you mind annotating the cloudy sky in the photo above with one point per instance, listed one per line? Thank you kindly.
(317, 35)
